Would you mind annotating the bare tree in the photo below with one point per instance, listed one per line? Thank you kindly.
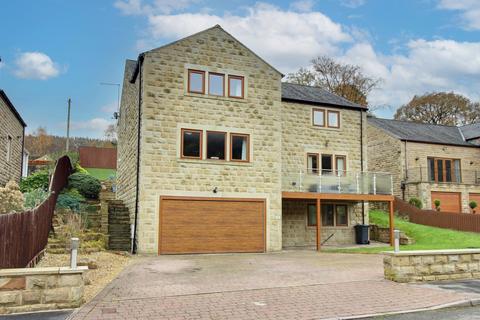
(346, 80)
(111, 133)
(445, 108)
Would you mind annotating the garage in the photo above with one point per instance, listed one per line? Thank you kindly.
(449, 201)
(475, 197)
(211, 225)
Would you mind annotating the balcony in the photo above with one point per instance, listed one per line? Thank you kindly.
(346, 182)
(453, 176)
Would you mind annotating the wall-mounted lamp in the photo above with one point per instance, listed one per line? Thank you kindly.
(417, 158)
(471, 162)
(215, 190)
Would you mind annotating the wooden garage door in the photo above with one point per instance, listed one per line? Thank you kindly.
(449, 201)
(201, 225)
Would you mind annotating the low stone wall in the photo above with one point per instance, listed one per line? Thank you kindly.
(32, 289)
(432, 265)
(382, 234)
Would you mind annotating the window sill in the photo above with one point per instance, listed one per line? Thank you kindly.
(325, 128)
(216, 162)
(217, 98)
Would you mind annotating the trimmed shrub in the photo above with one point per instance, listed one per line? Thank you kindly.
(416, 202)
(79, 169)
(11, 199)
(473, 204)
(35, 197)
(70, 199)
(37, 180)
(87, 185)
(437, 204)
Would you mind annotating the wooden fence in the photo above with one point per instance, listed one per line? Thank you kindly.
(24, 235)
(448, 220)
(93, 157)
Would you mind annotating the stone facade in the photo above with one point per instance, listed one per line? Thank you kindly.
(11, 143)
(34, 289)
(432, 265)
(407, 161)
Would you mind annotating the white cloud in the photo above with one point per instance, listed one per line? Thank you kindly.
(302, 5)
(469, 11)
(138, 7)
(35, 65)
(352, 3)
(90, 128)
(285, 38)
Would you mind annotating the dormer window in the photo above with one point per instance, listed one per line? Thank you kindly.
(235, 87)
(196, 81)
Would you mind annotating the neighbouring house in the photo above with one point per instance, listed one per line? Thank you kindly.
(216, 154)
(12, 132)
(427, 161)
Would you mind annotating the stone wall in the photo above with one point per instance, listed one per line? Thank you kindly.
(167, 107)
(433, 265)
(296, 232)
(10, 127)
(382, 234)
(33, 289)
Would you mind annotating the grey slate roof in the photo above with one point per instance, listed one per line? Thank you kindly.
(421, 132)
(302, 93)
(471, 131)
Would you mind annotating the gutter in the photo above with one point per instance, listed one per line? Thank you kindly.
(138, 71)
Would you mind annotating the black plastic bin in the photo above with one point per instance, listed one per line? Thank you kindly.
(361, 234)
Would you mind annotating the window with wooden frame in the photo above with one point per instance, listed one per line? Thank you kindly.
(191, 144)
(196, 81)
(333, 119)
(216, 145)
(444, 170)
(239, 147)
(216, 84)
(341, 165)
(334, 215)
(327, 164)
(318, 117)
(312, 215)
(312, 163)
(236, 87)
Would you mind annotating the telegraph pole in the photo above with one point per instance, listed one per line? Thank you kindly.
(68, 125)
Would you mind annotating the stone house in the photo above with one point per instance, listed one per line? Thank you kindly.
(12, 132)
(429, 162)
(216, 154)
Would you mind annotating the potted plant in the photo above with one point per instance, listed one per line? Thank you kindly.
(437, 204)
(473, 205)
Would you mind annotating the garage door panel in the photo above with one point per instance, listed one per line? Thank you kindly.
(449, 201)
(206, 225)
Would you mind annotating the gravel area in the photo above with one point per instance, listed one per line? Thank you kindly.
(109, 265)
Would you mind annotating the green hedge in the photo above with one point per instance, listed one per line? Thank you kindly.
(37, 180)
(87, 185)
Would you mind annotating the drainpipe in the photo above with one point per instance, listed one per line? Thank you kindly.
(134, 240)
(361, 160)
(23, 151)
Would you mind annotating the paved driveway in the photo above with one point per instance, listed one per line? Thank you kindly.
(286, 285)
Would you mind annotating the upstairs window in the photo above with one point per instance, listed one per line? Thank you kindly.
(341, 165)
(196, 81)
(318, 117)
(191, 144)
(312, 163)
(444, 170)
(235, 86)
(216, 145)
(240, 146)
(333, 119)
(327, 164)
(216, 84)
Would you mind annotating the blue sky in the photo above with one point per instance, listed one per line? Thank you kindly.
(55, 49)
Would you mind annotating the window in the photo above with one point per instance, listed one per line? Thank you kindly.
(312, 215)
(341, 165)
(312, 163)
(334, 215)
(327, 163)
(216, 84)
(191, 144)
(235, 87)
(239, 147)
(318, 117)
(216, 144)
(333, 119)
(196, 81)
(9, 148)
(444, 170)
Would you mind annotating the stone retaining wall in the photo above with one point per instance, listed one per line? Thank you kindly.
(32, 289)
(432, 265)
(382, 234)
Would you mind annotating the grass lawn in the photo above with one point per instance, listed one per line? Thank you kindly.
(101, 174)
(426, 238)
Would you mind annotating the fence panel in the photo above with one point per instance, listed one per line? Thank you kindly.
(23, 235)
(447, 220)
(92, 157)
